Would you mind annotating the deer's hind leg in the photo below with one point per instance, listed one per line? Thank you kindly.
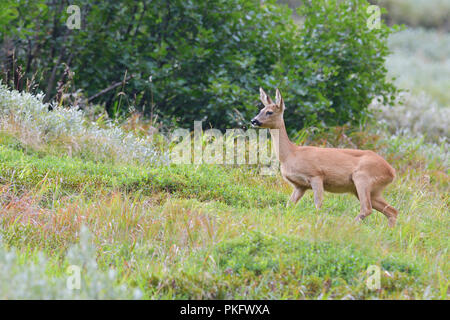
(296, 195)
(363, 188)
(385, 208)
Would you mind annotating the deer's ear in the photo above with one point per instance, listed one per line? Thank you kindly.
(265, 99)
(279, 100)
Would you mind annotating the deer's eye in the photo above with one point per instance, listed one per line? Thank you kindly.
(268, 113)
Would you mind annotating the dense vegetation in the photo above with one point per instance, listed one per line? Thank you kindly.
(205, 231)
(160, 46)
(79, 188)
(430, 14)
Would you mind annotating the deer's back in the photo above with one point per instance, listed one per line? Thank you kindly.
(336, 167)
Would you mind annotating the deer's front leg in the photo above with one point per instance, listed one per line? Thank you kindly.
(296, 195)
(317, 186)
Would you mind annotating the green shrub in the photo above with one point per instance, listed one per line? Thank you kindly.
(207, 59)
(318, 267)
(258, 253)
(344, 62)
(396, 264)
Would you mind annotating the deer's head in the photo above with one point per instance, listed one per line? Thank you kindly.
(271, 116)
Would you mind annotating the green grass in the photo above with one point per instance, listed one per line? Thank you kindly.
(28, 168)
(208, 232)
(205, 231)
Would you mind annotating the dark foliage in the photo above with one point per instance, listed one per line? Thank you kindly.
(206, 59)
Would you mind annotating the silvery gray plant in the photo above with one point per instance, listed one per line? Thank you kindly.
(29, 279)
(34, 118)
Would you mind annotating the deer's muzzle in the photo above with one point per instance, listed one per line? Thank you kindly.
(255, 122)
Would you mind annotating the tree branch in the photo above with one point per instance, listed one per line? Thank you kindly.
(111, 87)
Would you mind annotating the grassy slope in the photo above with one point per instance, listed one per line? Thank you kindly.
(223, 232)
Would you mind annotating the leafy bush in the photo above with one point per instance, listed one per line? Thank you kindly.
(343, 67)
(206, 60)
(414, 13)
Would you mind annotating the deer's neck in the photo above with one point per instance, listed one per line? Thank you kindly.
(283, 146)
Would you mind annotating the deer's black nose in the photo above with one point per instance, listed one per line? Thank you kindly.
(255, 122)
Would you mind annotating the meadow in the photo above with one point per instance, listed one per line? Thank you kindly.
(157, 231)
(78, 189)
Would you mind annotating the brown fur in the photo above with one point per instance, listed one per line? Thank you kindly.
(360, 172)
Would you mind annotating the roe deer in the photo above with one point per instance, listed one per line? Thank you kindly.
(360, 172)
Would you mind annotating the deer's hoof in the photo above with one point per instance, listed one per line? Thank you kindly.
(392, 221)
